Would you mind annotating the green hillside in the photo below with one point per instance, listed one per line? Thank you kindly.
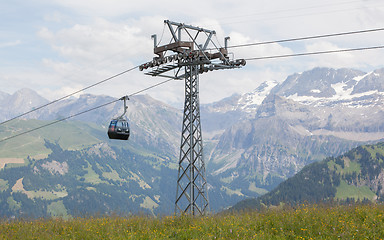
(73, 169)
(97, 180)
(69, 135)
(357, 175)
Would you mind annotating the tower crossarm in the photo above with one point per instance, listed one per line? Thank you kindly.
(185, 52)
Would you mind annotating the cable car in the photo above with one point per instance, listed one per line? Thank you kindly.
(119, 127)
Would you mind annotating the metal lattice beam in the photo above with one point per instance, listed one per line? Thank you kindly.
(191, 194)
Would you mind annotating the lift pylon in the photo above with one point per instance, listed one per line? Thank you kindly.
(189, 58)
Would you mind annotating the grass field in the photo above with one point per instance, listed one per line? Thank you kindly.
(69, 135)
(4, 161)
(345, 190)
(303, 222)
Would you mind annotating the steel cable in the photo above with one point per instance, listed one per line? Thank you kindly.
(69, 95)
(88, 110)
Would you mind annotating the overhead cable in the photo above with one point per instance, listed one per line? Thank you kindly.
(69, 95)
(57, 121)
(86, 111)
(314, 53)
(307, 38)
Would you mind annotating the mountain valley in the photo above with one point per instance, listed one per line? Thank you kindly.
(252, 143)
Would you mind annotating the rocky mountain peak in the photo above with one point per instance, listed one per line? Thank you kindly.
(3, 95)
(331, 87)
(317, 83)
(274, 104)
(249, 102)
(21, 101)
(373, 81)
(28, 97)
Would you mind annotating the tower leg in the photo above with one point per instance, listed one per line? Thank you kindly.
(191, 193)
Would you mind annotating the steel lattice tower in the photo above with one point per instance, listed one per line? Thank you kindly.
(191, 194)
(190, 59)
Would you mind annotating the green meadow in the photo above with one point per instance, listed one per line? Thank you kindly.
(301, 222)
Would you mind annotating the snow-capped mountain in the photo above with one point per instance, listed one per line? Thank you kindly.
(311, 115)
(249, 102)
(218, 116)
(330, 87)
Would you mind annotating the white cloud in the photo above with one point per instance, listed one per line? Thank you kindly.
(93, 43)
(62, 91)
(56, 17)
(256, 51)
(27, 78)
(91, 40)
(349, 59)
(336, 59)
(9, 44)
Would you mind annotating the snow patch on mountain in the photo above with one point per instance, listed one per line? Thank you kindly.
(316, 91)
(342, 90)
(358, 78)
(340, 97)
(246, 103)
(249, 102)
(344, 93)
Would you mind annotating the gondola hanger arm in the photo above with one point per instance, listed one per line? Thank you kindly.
(125, 98)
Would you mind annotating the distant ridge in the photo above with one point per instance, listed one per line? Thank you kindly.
(357, 175)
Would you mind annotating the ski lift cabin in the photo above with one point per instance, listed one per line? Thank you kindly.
(119, 127)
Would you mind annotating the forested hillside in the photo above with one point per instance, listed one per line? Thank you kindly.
(100, 180)
(357, 175)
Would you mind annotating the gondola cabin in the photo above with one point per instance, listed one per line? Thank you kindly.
(118, 129)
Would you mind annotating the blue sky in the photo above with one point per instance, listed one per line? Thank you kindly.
(56, 47)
